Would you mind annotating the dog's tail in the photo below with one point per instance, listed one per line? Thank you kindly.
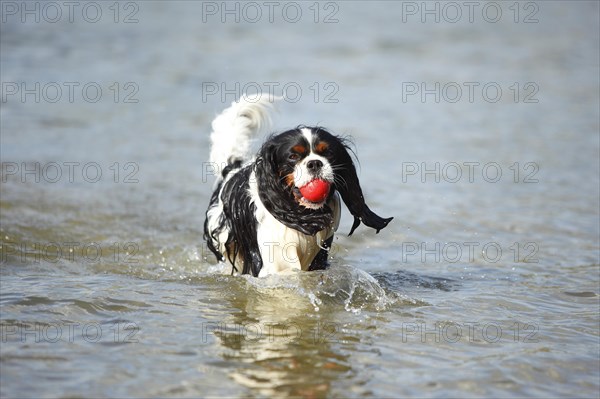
(234, 128)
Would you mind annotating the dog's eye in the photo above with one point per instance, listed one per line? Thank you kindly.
(294, 157)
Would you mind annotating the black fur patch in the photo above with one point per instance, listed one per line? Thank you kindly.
(239, 218)
(346, 182)
(321, 261)
(209, 236)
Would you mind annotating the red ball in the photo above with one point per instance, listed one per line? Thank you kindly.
(315, 191)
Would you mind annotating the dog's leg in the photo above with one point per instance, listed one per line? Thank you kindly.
(321, 261)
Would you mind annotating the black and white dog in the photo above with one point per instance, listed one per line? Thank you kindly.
(278, 211)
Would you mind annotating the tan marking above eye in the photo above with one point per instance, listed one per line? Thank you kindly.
(300, 149)
(321, 147)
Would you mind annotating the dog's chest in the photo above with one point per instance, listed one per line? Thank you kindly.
(283, 248)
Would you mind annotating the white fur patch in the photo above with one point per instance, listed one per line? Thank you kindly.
(302, 175)
(234, 129)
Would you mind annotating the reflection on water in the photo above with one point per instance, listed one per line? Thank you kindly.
(275, 349)
(284, 336)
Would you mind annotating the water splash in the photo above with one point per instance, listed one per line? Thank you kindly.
(339, 286)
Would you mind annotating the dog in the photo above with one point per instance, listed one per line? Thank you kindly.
(278, 211)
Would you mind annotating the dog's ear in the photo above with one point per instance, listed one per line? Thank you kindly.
(266, 169)
(266, 157)
(349, 187)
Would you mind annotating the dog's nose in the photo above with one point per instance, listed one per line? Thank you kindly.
(314, 165)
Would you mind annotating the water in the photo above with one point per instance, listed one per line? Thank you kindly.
(483, 285)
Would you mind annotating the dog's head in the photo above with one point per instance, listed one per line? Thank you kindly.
(298, 172)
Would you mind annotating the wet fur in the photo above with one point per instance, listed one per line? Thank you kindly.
(255, 207)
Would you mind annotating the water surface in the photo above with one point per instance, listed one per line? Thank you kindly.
(483, 285)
